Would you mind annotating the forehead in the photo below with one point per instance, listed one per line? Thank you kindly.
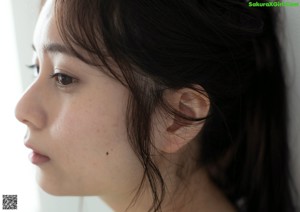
(46, 29)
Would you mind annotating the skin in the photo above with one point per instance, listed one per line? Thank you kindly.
(79, 123)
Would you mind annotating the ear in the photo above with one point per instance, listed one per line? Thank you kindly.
(178, 132)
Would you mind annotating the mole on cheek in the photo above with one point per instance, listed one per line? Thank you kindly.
(107, 153)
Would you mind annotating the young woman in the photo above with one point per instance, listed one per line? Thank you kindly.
(172, 106)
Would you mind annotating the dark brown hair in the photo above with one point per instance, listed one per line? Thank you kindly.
(228, 48)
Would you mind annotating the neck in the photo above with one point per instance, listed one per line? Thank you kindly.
(188, 188)
(197, 193)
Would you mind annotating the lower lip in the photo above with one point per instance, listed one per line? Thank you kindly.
(37, 158)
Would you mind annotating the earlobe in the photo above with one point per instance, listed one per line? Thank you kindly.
(181, 131)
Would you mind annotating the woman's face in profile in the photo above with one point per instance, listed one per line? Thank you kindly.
(76, 117)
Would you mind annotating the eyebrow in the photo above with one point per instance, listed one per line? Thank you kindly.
(56, 48)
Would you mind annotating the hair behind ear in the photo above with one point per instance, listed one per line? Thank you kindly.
(257, 164)
(266, 163)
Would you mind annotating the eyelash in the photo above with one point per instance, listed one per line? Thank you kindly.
(36, 69)
(59, 77)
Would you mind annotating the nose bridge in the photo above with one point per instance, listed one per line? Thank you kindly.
(29, 110)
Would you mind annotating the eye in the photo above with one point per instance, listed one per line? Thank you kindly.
(35, 68)
(63, 79)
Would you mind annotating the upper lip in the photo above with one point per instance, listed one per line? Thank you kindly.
(28, 145)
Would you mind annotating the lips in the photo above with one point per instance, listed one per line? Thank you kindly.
(35, 156)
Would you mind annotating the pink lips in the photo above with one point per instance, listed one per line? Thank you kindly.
(35, 157)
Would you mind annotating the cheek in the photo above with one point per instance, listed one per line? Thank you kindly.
(90, 127)
(89, 145)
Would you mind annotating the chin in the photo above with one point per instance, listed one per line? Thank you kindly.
(52, 190)
(60, 189)
(57, 186)
(52, 187)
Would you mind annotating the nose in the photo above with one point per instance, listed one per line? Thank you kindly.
(29, 110)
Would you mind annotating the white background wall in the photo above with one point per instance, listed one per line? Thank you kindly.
(17, 21)
(15, 171)
(25, 14)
